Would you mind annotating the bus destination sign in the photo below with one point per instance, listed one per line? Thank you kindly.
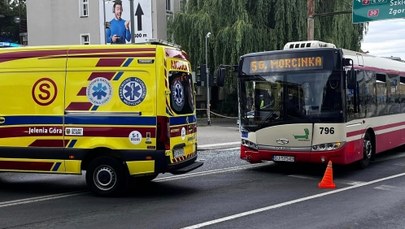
(284, 64)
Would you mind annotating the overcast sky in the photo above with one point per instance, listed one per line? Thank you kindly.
(385, 38)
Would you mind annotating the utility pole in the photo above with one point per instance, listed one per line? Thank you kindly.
(208, 79)
(310, 19)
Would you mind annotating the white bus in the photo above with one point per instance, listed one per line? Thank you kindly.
(313, 102)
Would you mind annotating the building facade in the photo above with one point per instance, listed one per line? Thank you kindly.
(60, 22)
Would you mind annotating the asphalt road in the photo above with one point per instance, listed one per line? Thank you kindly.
(225, 193)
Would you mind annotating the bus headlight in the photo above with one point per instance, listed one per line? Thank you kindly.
(249, 144)
(327, 146)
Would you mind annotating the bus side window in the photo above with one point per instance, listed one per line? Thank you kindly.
(351, 93)
(381, 89)
(402, 92)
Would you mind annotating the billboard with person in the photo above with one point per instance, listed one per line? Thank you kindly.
(116, 26)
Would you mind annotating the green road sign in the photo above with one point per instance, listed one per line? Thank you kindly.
(374, 10)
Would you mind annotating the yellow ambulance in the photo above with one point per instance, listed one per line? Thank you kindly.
(114, 111)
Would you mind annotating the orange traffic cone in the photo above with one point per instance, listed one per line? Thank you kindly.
(327, 180)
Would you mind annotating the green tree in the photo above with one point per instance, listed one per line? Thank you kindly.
(242, 26)
(12, 19)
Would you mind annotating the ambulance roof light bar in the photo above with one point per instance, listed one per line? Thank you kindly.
(308, 44)
(155, 41)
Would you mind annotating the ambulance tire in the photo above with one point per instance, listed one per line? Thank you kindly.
(107, 176)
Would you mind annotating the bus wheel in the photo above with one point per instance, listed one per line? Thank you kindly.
(367, 151)
(106, 176)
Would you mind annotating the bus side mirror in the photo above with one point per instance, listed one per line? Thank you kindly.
(221, 76)
(351, 79)
(351, 74)
(347, 62)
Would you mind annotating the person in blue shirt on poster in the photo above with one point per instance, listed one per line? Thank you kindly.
(118, 30)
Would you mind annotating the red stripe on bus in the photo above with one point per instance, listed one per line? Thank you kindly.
(354, 133)
(49, 143)
(79, 106)
(392, 125)
(110, 62)
(106, 75)
(394, 72)
(25, 165)
(377, 128)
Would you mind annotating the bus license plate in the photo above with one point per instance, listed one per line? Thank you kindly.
(284, 158)
(179, 152)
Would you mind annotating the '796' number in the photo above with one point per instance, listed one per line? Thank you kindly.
(327, 130)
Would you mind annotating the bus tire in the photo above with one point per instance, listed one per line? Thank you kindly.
(368, 151)
(106, 176)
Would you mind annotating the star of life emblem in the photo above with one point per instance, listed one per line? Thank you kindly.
(99, 91)
(132, 91)
(178, 95)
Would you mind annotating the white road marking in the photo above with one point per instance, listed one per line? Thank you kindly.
(39, 199)
(291, 202)
(304, 177)
(209, 172)
(163, 179)
(385, 187)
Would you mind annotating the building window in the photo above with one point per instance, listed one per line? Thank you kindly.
(169, 6)
(84, 39)
(84, 8)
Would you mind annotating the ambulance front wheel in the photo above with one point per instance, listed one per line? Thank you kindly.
(106, 176)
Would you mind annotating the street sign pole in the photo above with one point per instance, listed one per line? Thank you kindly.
(310, 19)
(132, 12)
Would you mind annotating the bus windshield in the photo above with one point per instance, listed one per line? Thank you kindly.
(290, 97)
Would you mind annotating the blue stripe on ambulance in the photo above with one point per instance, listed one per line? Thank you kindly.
(56, 166)
(72, 143)
(118, 76)
(24, 120)
(183, 120)
(128, 62)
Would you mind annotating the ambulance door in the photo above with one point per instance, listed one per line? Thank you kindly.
(110, 101)
(31, 114)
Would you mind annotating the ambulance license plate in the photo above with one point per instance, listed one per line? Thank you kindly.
(179, 152)
(283, 158)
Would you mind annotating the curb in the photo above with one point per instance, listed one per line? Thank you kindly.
(206, 147)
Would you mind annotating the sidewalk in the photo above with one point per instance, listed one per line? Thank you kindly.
(222, 133)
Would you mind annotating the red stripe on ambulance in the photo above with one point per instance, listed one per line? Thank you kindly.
(25, 165)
